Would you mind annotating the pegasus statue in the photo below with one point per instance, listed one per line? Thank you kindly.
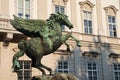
(46, 37)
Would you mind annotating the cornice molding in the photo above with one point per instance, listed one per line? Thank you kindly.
(65, 1)
(7, 39)
(111, 7)
(114, 55)
(86, 2)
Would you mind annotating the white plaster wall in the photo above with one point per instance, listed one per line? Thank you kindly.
(34, 9)
(11, 8)
(49, 8)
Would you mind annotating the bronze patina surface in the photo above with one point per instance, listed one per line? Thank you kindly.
(46, 37)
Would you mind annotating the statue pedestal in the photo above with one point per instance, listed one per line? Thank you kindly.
(55, 77)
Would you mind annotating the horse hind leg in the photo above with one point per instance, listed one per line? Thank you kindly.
(47, 68)
(42, 70)
(16, 65)
(39, 66)
(36, 63)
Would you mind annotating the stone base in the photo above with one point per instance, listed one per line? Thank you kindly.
(55, 77)
(43, 77)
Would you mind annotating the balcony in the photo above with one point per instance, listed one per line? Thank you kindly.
(5, 25)
(7, 31)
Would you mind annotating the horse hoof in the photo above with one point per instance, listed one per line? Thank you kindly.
(15, 69)
(78, 44)
(68, 49)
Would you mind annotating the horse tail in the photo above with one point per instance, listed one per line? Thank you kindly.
(21, 45)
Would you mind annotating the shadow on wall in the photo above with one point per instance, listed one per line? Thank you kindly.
(66, 63)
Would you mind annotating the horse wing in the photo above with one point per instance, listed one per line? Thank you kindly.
(29, 28)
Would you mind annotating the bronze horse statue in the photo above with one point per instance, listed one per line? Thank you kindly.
(46, 37)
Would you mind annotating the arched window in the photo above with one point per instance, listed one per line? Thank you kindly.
(86, 8)
(111, 20)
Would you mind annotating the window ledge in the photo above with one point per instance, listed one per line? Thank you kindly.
(63, 52)
(91, 53)
(114, 55)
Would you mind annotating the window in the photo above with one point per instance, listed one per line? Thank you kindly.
(111, 12)
(87, 22)
(25, 70)
(63, 67)
(92, 73)
(116, 71)
(60, 9)
(87, 9)
(112, 26)
(24, 8)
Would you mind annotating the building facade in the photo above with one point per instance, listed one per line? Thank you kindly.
(96, 25)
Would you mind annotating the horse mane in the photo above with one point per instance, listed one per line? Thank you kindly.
(53, 17)
(56, 16)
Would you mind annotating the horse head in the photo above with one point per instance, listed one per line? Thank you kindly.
(62, 19)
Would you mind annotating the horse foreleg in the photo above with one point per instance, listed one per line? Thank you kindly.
(65, 37)
(16, 65)
(68, 47)
(77, 41)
